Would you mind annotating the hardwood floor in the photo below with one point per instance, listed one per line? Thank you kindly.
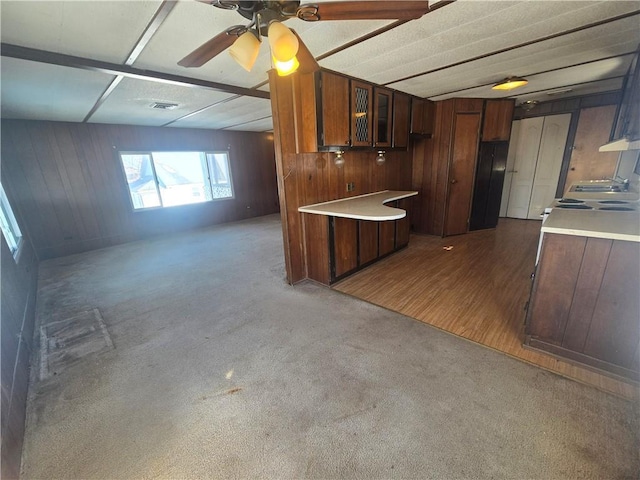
(477, 290)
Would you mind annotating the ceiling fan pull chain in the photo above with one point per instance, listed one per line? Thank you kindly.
(308, 13)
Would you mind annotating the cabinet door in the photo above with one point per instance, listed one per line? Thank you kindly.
(498, 115)
(368, 241)
(401, 108)
(461, 172)
(383, 110)
(345, 246)
(361, 114)
(387, 237)
(334, 96)
(403, 225)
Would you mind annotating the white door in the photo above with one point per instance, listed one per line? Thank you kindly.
(552, 145)
(524, 167)
(508, 174)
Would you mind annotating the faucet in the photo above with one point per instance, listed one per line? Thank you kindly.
(623, 181)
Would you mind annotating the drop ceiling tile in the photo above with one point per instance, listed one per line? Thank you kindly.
(130, 102)
(236, 112)
(37, 91)
(261, 125)
(102, 30)
(585, 89)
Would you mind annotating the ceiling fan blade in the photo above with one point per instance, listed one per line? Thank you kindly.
(210, 49)
(307, 61)
(373, 10)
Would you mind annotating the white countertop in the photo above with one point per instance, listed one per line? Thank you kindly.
(363, 207)
(594, 223)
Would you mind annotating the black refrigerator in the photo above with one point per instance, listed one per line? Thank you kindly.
(487, 191)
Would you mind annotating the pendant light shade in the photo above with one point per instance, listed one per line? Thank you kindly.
(510, 83)
(284, 44)
(245, 50)
(286, 68)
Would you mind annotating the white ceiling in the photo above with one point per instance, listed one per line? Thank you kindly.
(459, 50)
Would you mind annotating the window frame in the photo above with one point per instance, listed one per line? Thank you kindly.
(150, 153)
(16, 242)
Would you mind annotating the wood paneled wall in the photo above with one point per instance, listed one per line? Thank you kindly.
(67, 182)
(308, 178)
(19, 283)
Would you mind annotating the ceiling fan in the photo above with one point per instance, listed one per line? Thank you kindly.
(266, 19)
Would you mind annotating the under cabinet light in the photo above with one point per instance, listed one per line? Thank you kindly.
(339, 160)
(380, 159)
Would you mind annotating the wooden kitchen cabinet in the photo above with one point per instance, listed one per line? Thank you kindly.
(344, 245)
(422, 116)
(401, 120)
(584, 304)
(338, 246)
(325, 117)
(361, 114)
(382, 117)
(498, 115)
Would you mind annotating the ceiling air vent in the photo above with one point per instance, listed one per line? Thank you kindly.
(164, 105)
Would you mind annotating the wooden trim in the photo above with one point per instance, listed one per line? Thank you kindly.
(582, 360)
(52, 58)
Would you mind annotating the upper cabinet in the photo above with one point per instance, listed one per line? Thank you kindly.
(498, 115)
(323, 117)
(422, 116)
(401, 120)
(383, 109)
(361, 114)
(337, 112)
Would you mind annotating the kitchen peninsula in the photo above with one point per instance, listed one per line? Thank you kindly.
(584, 306)
(342, 236)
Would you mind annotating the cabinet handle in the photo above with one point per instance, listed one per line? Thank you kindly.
(453, 181)
(512, 171)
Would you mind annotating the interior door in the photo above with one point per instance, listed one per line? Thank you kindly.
(587, 163)
(461, 172)
(524, 167)
(550, 155)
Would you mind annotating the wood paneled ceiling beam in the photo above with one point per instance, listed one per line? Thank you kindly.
(52, 58)
(520, 45)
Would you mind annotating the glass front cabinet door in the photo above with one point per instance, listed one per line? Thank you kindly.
(361, 114)
(383, 103)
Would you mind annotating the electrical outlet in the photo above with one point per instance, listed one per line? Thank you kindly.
(351, 186)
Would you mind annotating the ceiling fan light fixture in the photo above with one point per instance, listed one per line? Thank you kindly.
(284, 44)
(510, 83)
(245, 50)
(286, 68)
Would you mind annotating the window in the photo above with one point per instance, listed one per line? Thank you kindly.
(167, 179)
(10, 228)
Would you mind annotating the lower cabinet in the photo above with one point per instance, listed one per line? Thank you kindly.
(584, 304)
(337, 246)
